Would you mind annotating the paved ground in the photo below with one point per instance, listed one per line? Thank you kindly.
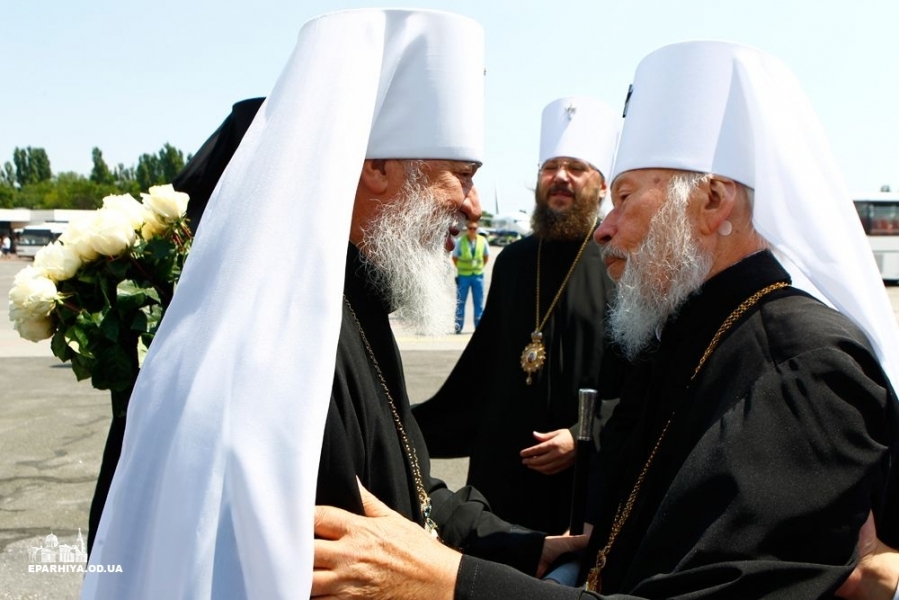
(52, 431)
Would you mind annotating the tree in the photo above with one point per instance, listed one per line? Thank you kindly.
(8, 175)
(100, 173)
(32, 165)
(158, 169)
(885, 188)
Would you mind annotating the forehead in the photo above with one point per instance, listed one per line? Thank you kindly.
(568, 158)
(640, 178)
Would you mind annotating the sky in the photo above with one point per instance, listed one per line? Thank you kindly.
(129, 76)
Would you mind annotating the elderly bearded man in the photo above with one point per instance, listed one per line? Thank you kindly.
(761, 429)
(372, 135)
(516, 427)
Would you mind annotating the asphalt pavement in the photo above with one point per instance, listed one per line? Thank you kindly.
(53, 429)
(52, 432)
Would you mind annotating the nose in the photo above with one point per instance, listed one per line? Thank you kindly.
(606, 230)
(471, 205)
(562, 174)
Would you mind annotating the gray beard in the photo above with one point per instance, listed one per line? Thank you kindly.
(407, 261)
(667, 268)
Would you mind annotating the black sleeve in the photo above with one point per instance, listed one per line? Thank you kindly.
(482, 580)
(466, 523)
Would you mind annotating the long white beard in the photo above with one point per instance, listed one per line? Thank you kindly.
(660, 275)
(404, 244)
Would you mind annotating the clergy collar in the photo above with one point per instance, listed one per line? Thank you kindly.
(700, 316)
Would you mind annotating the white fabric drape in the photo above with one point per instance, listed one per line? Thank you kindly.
(717, 107)
(214, 493)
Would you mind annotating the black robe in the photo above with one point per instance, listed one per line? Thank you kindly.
(361, 440)
(485, 409)
(775, 454)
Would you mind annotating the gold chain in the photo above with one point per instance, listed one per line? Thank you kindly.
(538, 322)
(594, 578)
(423, 498)
(534, 355)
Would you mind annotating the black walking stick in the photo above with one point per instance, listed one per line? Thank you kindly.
(586, 402)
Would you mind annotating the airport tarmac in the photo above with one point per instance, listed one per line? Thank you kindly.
(53, 428)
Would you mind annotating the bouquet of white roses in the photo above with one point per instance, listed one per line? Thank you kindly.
(101, 289)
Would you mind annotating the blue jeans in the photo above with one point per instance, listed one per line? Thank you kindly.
(463, 284)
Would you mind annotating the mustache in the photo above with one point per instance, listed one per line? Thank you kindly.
(560, 187)
(610, 251)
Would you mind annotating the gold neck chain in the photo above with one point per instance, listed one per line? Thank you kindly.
(534, 355)
(423, 499)
(594, 577)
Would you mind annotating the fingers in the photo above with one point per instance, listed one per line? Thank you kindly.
(331, 523)
(542, 437)
(371, 505)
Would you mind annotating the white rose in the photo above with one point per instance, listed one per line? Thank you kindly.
(57, 261)
(152, 227)
(126, 204)
(113, 232)
(27, 273)
(77, 237)
(36, 329)
(164, 201)
(35, 296)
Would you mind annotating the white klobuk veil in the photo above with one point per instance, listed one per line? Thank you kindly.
(732, 110)
(214, 493)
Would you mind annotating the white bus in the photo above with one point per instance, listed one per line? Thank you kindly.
(34, 237)
(879, 213)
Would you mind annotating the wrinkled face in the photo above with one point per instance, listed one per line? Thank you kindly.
(651, 249)
(451, 181)
(636, 198)
(406, 242)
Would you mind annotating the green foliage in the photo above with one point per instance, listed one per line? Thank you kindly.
(100, 173)
(28, 182)
(160, 168)
(112, 308)
(32, 165)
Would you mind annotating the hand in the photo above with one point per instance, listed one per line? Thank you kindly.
(552, 455)
(877, 572)
(379, 556)
(555, 546)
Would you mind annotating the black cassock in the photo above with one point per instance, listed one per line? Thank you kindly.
(361, 440)
(774, 456)
(485, 409)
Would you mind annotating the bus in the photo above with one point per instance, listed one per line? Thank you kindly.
(879, 213)
(34, 237)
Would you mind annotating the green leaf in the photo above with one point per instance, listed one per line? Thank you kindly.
(78, 333)
(139, 323)
(130, 296)
(60, 346)
(160, 248)
(110, 325)
(119, 267)
(82, 367)
(113, 370)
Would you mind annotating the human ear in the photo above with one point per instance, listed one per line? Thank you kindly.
(717, 205)
(374, 176)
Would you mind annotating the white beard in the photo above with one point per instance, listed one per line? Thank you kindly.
(660, 275)
(409, 265)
